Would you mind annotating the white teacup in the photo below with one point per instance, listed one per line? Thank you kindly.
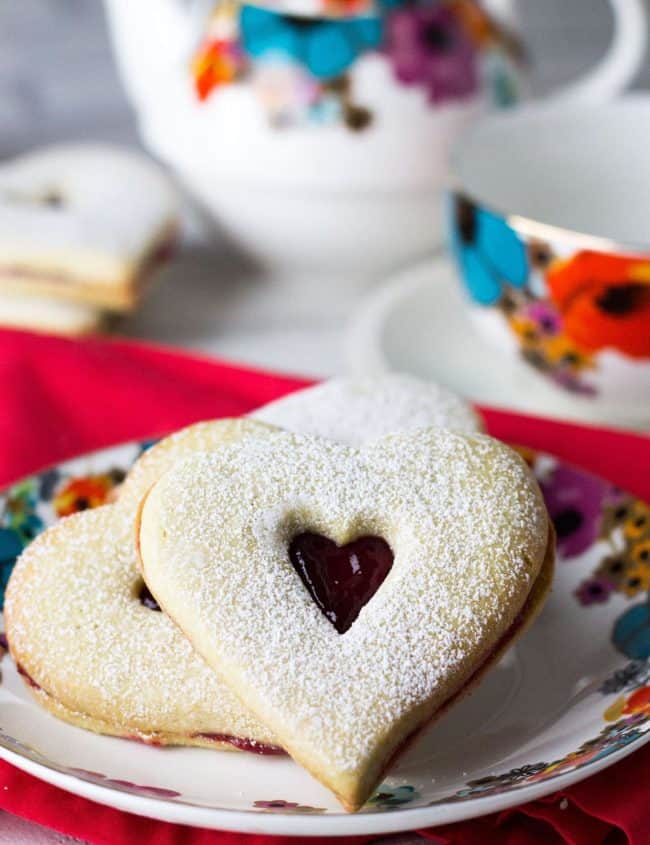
(313, 196)
(550, 226)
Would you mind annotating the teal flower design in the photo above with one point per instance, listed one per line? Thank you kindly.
(631, 635)
(19, 524)
(489, 252)
(325, 47)
(10, 547)
(393, 796)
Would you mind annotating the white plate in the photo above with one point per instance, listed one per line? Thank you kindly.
(536, 724)
(417, 322)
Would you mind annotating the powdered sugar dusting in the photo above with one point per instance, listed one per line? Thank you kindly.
(200, 437)
(357, 411)
(468, 528)
(77, 626)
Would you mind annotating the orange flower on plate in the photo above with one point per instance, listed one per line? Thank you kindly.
(637, 522)
(638, 702)
(604, 301)
(81, 494)
(637, 580)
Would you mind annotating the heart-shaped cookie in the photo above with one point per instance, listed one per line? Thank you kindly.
(472, 559)
(84, 223)
(93, 648)
(358, 410)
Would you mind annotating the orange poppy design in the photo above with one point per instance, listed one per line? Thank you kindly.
(347, 7)
(604, 301)
(638, 702)
(217, 63)
(80, 494)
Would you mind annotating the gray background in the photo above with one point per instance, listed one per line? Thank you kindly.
(58, 82)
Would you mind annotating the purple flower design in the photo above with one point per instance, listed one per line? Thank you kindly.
(279, 805)
(545, 316)
(594, 591)
(126, 785)
(153, 791)
(566, 379)
(428, 46)
(575, 502)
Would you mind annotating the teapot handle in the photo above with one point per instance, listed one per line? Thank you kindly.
(619, 65)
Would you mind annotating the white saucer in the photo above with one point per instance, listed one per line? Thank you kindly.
(417, 323)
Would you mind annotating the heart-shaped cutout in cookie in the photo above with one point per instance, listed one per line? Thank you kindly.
(340, 579)
(472, 556)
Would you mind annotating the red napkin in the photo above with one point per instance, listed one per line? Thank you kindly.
(61, 398)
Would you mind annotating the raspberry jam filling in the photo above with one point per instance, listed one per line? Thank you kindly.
(244, 744)
(340, 579)
(147, 599)
(27, 677)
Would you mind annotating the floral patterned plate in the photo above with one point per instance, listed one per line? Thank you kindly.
(537, 723)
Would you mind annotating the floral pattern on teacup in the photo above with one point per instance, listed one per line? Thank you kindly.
(300, 66)
(563, 311)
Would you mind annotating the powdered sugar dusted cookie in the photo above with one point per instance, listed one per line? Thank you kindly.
(247, 550)
(359, 410)
(82, 629)
(98, 656)
(86, 223)
(199, 437)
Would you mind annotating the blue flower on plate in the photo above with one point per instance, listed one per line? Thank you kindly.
(393, 796)
(19, 524)
(11, 545)
(489, 252)
(631, 634)
(325, 47)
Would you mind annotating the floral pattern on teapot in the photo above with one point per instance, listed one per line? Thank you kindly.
(300, 68)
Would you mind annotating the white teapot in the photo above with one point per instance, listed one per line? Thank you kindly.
(317, 140)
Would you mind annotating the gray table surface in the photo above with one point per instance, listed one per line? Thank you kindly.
(58, 83)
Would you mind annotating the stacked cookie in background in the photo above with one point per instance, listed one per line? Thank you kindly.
(456, 512)
(83, 230)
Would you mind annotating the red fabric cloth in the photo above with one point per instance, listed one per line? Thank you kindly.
(61, 398)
